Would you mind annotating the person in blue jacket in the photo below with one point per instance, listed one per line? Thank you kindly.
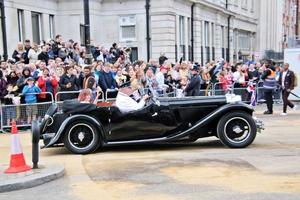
(30, 91)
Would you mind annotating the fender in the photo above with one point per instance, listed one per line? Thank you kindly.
(223, 110)
(216, 114)
(70, 120)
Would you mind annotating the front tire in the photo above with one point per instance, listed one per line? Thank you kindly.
(236, 130)
(82, 137)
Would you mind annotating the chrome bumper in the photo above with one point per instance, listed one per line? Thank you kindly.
(259, 124)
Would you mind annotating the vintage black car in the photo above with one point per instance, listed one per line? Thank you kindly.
(84, 128)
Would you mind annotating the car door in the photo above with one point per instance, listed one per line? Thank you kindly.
(141, 124)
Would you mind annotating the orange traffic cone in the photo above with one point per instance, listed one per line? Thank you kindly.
(17, 160)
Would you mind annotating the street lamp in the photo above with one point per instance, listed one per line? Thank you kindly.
(87, 33)
(3, 26)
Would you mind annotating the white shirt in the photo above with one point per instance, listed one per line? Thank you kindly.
(33, 56)
(100, 57)
(160, 78)
(238, 77)
(127, 104)
(283, 78)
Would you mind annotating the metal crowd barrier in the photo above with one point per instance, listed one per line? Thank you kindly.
(61, 96)
(24, 113)
(109, 96)
(66, 95)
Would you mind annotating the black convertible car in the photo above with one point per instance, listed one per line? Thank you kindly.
(83, 128)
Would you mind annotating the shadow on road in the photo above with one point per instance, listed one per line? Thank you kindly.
(211, 144)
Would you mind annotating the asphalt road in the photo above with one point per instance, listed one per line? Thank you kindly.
(268, 169)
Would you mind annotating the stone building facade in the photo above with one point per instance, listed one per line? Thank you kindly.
(199, 30)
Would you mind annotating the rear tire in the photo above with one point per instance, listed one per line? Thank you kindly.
(236, 129)
(82, 137)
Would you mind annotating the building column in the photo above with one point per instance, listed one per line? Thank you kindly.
(45, 26)
(197, 40)
(163, 35)
(218, 41)
(27, 25)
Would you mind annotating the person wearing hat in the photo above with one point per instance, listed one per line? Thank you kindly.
(126, 101)
(193, 87)
(30, 91)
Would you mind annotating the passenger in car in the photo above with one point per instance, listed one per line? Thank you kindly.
(86, 96)
(126, 102)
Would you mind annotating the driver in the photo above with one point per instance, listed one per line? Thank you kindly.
(126, 102)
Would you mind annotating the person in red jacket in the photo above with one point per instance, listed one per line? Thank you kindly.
(47, 83)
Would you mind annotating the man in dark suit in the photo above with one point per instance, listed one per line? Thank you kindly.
(193, 88)
(286, 81)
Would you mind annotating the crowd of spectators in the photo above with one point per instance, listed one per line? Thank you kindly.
(59, 66)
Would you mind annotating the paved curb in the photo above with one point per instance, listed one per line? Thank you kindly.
(32, 178)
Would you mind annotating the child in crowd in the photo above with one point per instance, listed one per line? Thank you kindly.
(30, 91)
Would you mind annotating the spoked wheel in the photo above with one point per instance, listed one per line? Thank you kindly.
(81, 138)
(237, 129)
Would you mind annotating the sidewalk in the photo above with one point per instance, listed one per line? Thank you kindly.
(47, 171)
(10, 182)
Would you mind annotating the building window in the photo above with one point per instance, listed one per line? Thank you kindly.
(207, 41)
(245, 4)
(181, 30)
(236, 3)
(82, 34)
(36, 27)
(223, 41)
(21, 28)
(189, 22)
(222, 3)
(51, 26)
(252, 6)
(134, 54)
(127, 28)
(244, 41)
(206, 34)
(222, 36)
(212, 34)
(181, 38)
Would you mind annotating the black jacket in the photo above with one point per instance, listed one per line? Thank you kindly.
(267, 72)
(106, 81)
(289, 80)
(43, 56)
(55, 48)
(64, 80)
(193, 88)
(17, 59)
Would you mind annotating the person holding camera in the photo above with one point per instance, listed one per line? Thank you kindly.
(19, 54)
(47, 83)
(68, 83)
